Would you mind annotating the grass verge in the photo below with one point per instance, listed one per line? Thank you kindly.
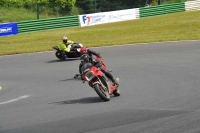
(171, 27)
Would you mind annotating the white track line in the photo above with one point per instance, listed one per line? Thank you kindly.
(0, 87)
(16, 99)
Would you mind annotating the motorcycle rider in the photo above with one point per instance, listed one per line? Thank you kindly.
(85, 58)
(90, 52)
(67, 45)
(63, 46)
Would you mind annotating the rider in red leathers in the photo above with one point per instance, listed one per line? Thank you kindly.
(93, 54)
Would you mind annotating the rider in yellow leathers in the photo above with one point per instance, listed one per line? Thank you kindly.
(64, 45)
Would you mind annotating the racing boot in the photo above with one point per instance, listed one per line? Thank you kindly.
(116, 92)
(116, 82)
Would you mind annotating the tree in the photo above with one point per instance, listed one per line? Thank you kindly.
(109, 5)
(85, 6)
(88, 6)
(63, 6)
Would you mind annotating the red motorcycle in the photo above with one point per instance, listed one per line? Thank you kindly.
(101, 84)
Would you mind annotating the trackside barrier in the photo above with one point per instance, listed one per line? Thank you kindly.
(162, 9)
(107, 17)
(46, 24)
(137, 12)
(96, 18)
(7, 29)
(192, 5)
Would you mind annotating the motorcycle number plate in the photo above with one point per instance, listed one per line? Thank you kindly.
(89, 76)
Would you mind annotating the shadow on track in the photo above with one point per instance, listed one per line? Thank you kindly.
(68, 59)
(70, 79)
(86, 100)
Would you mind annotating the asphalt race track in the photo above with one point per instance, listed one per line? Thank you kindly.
(159, 84)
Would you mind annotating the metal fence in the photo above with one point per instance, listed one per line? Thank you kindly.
(161, 9)
(46, 24)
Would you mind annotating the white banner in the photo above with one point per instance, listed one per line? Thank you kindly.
(192, 5)
(107, 17)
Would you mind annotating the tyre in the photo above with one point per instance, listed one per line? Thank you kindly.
(59, 55)
(103, 94)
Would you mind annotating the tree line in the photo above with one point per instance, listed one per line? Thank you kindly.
(76, 7)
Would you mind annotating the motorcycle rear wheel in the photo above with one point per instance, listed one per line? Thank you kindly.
(102, 94)
(59, 55)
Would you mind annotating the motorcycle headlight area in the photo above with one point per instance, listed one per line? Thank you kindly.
(89, 76)
(78, 49)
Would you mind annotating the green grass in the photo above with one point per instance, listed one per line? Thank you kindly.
(172, 27)
(12, 14)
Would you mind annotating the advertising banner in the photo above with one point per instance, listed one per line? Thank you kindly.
(107, 17)
(8, 29)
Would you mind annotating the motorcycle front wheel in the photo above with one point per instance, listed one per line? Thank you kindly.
(103, 94)
(59, 55)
